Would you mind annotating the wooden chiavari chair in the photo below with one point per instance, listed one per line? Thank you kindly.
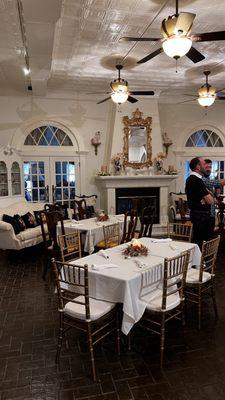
(70, 246)
(180, 231)
(129, 227)
(201, 282)
(77, 310)
(111, 236)
(168, 301)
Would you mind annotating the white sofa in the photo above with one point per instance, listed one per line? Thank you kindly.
(30, 237)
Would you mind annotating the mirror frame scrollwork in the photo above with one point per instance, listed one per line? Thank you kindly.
(137, 120)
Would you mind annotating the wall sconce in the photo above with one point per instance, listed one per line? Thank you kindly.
(95, 141)
(167, 142)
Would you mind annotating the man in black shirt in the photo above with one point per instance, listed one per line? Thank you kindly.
(199, 200)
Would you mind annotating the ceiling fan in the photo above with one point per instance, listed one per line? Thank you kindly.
(207, 94)
(176, 40)
(120, 93)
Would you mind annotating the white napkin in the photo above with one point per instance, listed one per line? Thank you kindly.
(103, 266)
(103, 254)
(166, 240)
(173, 247)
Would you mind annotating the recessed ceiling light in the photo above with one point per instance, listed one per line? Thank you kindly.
(26, 71)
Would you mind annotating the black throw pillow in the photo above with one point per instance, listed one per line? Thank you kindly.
(13, 221)
(29, 220)
(20, 222)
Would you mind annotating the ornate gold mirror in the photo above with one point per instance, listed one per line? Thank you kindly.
(137, 147)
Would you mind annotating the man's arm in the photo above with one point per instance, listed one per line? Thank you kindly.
(208, 199)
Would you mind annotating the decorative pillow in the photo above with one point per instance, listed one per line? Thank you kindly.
(37, 216)
(20, 222)
(29, 220)
(13, 221)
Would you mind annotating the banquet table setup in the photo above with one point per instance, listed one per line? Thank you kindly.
(93, 229)
(117, 277)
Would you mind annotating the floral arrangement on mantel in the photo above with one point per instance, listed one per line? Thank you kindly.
(117, 161)
(136, 248)
(158, 162)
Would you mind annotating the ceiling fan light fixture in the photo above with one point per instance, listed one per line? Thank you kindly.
(119, 96)
(206, 101)
(177, 46)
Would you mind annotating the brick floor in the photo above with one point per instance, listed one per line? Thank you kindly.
(194, 365)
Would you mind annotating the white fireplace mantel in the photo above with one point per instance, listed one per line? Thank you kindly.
(109, 184)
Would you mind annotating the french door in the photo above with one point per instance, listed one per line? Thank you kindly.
(51, 179)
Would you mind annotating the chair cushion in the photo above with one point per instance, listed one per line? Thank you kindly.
(109, 244)
(98, 308)
(155, 304)
(193, 276)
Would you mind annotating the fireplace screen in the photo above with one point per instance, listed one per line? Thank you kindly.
(138, 199)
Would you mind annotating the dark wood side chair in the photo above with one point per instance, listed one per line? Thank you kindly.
(77, 310)
(168, 301)
(90, 202)
(79, 209)
(146, 221)
(129, 227)
(50, 219)
(200, 283)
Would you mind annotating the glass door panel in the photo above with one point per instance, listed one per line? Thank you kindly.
(36, 180)
(65, 181)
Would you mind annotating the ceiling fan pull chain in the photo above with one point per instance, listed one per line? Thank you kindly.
(176, 65)
(177, 8)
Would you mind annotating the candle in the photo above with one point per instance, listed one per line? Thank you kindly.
(136, 243)
(104, 168)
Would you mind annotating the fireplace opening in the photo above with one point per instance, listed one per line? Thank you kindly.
(138, 198)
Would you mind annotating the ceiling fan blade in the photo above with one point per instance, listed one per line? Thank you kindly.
(98, 93)
(186, 101)
(191, 95)
(140, 39)
(102, 101)
(184, 22)
(143, 93)
(221, 91)
(208, 37)
(220, 97)
(150, 56)
(194, 55)
(132, 99)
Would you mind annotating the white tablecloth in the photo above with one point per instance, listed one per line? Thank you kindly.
(92, 228)
(123, 284)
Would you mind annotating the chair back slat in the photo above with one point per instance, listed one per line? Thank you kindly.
(180, 231)
(71, 282)
(111, 234)
(209, 254)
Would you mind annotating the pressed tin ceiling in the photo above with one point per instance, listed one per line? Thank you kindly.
(73, 45)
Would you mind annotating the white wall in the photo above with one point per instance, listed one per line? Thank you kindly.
(85, 117)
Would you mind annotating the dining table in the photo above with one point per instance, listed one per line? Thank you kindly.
(92, 229)
(117, 278)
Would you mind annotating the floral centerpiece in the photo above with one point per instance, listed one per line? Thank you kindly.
(117, 162)
(136, 248)
(158, 162)
(101, 217)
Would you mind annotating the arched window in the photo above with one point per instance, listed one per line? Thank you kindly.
(204, 138)
(48, 136)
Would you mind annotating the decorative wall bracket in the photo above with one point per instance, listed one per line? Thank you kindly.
(95, 141)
